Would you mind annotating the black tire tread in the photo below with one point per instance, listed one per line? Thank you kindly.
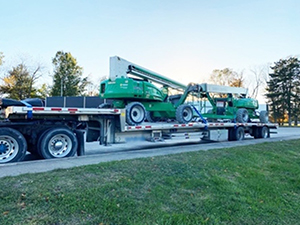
(240, 115)
(179, 113)
(130, 107)
(46, 136)
(21, 142)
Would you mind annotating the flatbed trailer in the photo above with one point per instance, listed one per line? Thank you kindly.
(58, 132)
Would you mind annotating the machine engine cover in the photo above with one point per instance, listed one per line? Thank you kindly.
(248, 103)
(129, 88)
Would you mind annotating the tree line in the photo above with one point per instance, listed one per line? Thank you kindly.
(283, 91)
(20, 81)
(281, 85)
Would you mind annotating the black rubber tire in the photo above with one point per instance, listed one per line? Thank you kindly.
(237, 134)
(242, 115)
(13, 145)
(262, 132)
(135, 113)
(38, 145)
(150, 118)
(65, 140)
(264, 116)
(184, 113)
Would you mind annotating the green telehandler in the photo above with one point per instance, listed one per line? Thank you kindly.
(231, 104)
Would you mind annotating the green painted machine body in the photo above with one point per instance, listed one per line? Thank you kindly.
(131, 89)
(125, 90)
(129, 83)
(226, 108)
(248, 103)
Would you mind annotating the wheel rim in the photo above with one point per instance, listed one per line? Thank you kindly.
(264, 132)
(187, 114)
(9, 148)
(137, 114)
(240, 135)
(60, 145)
(245, 117)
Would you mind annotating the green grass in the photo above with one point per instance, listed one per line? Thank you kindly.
(257, 184)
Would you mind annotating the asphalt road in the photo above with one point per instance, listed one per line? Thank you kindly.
(96, 153)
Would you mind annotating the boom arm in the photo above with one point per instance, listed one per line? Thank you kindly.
(213, 88)
(120, 68)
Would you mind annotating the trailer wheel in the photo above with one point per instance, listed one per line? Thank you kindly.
(264, 116)
(150, 118)
(184, 113)
(13, 145)
(237, 134)
(135, 113)
(262, 132)
(242, 115)
(57, 143)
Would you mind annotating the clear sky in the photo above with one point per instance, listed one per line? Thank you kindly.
(183, 40)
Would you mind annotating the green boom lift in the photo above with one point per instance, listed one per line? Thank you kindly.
(141, 98)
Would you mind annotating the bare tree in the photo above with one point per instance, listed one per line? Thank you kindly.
(92, 89)
(259, 79)
(34, 76)
(227, 77)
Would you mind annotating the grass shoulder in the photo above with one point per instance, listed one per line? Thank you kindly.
(256, 184)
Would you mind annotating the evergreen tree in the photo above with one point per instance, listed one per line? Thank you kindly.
(67, 79)
(283, 89)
